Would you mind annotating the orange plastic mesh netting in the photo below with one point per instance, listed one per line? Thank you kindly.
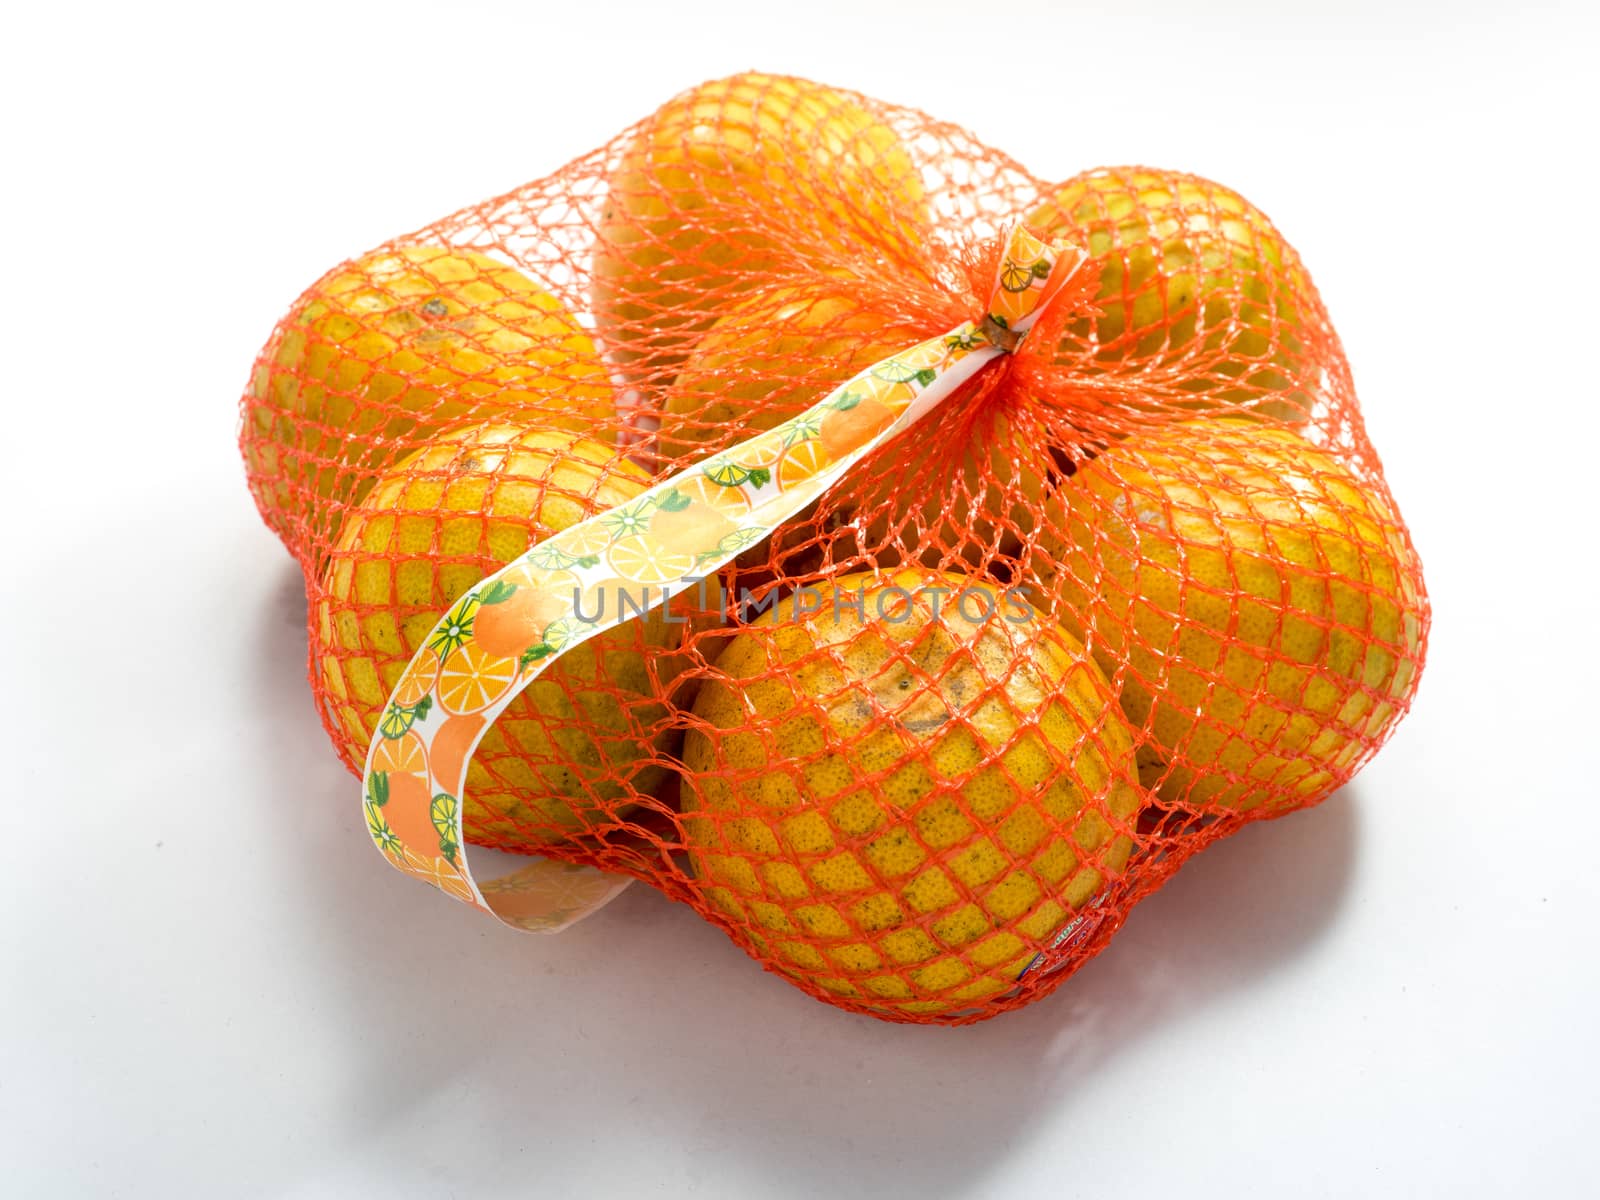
(921, 752)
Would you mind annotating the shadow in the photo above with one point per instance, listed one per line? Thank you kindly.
(531, 1056)
(1240, 910)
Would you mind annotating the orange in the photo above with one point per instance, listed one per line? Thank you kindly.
(681, 523)
(401, 755)
(728, 184)
(509, 626)
(383, 353)
(699, 489)
(845, 429)
(643, 560)
(418, 683)
(773, 356)
(903, 809)
(1257, 603)
(1199, 294)
(470, 678)
(450, 745)
(407, 810)
(802, 461)
(573, 747)
(770, 357)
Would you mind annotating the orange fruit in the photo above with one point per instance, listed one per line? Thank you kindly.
(418, 683)
(731, 182)
(770, 357)
(1199, 293)
(846, 429)
(471, 679)
(1257, 603)
(450, 743)
(701, 490)
(773, 356)
(689, 526)
(401, 755)
(802, 461)
(644, 560)
(507, 627)
(902, 805)
(383, 353)
(573, 747)
(407, 811)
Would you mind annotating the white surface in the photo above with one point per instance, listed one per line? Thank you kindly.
(212, 985)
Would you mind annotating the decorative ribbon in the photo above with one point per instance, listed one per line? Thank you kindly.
(743, 495)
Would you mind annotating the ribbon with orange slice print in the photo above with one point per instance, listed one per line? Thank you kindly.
(661, 544)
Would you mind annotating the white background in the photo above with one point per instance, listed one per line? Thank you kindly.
(209, 983)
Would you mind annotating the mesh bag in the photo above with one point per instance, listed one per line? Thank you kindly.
(920, 751)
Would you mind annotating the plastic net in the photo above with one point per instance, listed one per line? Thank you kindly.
(923, 749)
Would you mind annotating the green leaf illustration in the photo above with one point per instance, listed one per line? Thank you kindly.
(498, 592)
(534, 653)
